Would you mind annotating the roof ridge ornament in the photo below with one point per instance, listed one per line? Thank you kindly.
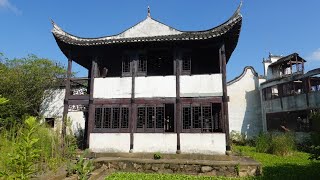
(149, 14)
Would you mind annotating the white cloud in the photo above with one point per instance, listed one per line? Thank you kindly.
(5, 4)
(315, 55)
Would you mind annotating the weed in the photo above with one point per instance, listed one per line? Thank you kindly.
(83, 167)
(157, 155)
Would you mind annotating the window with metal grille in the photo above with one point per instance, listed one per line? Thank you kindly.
(142, 64)
(201, 118)
(112, 118)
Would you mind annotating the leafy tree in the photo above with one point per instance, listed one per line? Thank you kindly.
(24, 82)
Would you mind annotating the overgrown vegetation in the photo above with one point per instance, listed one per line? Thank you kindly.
(241, 139)
(31, 148)
(24, 82)
(83, 167)
(281, 144)
(315, 138)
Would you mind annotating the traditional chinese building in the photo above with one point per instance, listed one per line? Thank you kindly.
(153, 88)
(289, 96)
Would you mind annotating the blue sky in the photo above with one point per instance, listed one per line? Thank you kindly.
(277, 26)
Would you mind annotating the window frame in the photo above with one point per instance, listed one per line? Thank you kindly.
(111, 128)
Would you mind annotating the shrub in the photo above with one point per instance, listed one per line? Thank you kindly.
(20, 162)
(314, 149)
(275, 143)
(263, 143)
(282, 144)
(157, 155)
(31, 148)
(315, 153)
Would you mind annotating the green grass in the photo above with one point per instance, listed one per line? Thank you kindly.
(295, 166)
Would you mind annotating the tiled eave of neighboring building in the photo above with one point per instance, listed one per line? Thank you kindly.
(177, 35)
(286, 59)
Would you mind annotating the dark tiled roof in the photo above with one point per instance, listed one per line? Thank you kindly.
(220, 30)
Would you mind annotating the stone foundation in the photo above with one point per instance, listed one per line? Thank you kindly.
(182, 166)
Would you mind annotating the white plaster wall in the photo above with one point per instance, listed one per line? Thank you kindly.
(155, 86)
(52, 107)
(147, 28)
(109, 142)
(155, 142)
(201, 85)
(245, 105)
(203, 143)
(78, 121)
(113, 87)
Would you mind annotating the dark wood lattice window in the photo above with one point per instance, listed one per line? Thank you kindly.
(186, 63)
(115, 118)
(98, 117)
(141, 117)
(124, 117)
(142, 64)
(186, 117)
(112, 119)
(201, 118)
(196, 117)
(159, 117)
(126, 66)
(107, 118)
(151, 118)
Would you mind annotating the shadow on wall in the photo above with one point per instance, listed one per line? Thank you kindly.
(52, 105)
(252, 120)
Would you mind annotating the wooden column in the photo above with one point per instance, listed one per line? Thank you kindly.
(178, 100)
(91, 111)
(225, 98)
(66, 99)
(133, 115)
(307, 88)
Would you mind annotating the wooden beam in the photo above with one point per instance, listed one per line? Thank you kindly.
(92, 75)
(133, 116)
(223, 61)
(178, 101)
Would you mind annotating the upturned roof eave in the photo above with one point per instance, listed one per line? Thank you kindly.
(217, 31)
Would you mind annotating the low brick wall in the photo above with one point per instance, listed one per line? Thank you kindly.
(244, 167)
